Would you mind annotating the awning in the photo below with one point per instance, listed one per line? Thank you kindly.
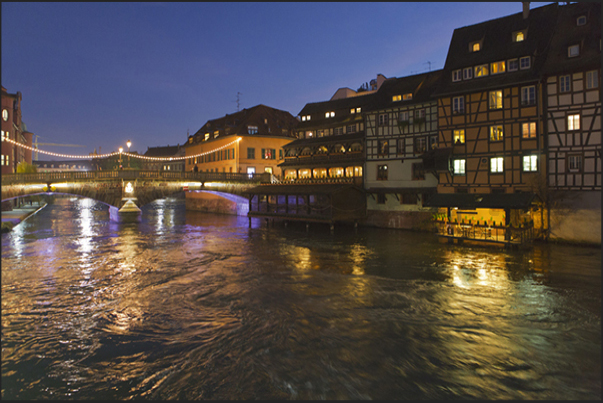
(487, 200)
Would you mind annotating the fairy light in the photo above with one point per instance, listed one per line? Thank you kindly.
(117, 153)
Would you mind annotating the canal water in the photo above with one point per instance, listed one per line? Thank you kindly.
(189, 305)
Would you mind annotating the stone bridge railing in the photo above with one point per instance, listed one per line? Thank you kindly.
(116, 187)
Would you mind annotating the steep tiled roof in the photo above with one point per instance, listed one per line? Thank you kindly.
(340, 106)
(421, 86)
(568, 33)
(236, 123)
(497, 44)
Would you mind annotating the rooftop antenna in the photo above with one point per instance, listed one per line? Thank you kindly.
(429, 63)
(238, 93)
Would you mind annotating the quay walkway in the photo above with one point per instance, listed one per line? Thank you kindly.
(15, 216)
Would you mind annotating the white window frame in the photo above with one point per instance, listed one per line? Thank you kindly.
(458, 105)
(565, 84)
(458, 167)
(383, 119)
(498, 66)
(457, 75)
(403, 116)
(581, 20)
(573, 50)
(528, 95)
(467, 73)
(592, 79)
(525, 62)
(512, 64)
(530, 163)
(574, 163)
(497, 165)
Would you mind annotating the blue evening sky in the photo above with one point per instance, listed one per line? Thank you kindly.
(98, 74)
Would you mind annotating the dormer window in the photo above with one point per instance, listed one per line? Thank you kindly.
(475, 46)
(456, 75)
(216, 133)
(581, 20)
(206, 136)
(355, 110)
(329, 114)
(305, 117)
(524, 62)
(481, 71)
(518, 36)
(573, 51)
(467, 73)
(407, 97)
(397, 98)
(497, 67)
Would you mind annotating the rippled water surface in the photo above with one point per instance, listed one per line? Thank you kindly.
(199, 306)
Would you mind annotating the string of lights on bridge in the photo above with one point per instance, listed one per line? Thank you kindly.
(144, 157)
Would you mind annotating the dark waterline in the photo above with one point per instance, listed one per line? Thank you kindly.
(198, 306)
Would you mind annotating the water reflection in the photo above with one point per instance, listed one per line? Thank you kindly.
(187, 305)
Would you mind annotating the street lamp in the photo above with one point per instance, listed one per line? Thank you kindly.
(129, 143)
(121, 150)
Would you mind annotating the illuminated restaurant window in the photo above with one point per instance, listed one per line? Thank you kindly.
(458, 136)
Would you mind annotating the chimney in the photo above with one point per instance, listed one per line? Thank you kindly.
(526, 9)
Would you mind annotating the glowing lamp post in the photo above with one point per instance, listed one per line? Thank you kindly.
(129, 143)
(121, 150)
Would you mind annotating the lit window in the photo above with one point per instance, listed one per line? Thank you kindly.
(573, 122)
(216, 133)
(252, 129)
(459, 167)
(497, 67)
(496, 165)
(496, 99)
(565, 83)
(329, 114)
(458, 105)
(352, 111)
(309, 134)
(458, 136)
(407, 97)
(456, 75)
(381, 172)
(573, 51)
(518, 36)
(574, 163)
(513, 65)
(592, 79)
(581, 20)
(528, 95)
(528, 130)
(396, 98)
(358, 110)
(467, 73)
(206, 136)
(530, 163)
(481, 71)
(524, 63)
(305, 118)
(496, 133)
(475, 47)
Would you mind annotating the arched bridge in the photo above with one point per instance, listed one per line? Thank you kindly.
(127, 188)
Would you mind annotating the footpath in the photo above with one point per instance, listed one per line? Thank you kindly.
(16, 215)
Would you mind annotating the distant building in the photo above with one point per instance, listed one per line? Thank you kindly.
(176, 151)
(263, 130)
(71, 165)
(13, 128)
(330, 145)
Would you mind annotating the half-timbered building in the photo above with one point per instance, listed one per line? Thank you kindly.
(330, 141)
(573, 111)
(491, 127)
(400, 127)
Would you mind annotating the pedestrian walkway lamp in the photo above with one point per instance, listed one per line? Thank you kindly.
(129, 143)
